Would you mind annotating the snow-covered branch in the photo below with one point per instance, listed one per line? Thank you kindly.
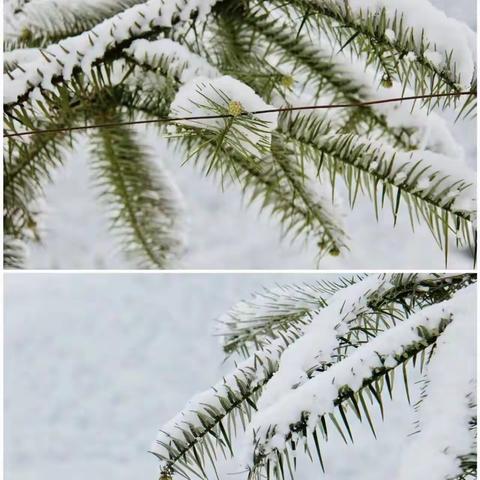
(321, 395)
(414, 29)
(284, 390)
(82, 51)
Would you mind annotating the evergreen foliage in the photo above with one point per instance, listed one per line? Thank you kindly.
(140, 61)
(38, 25)
(413, 317)
(144, 207)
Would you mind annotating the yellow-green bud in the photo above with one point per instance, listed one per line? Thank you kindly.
(387, 81)
(235, 108)
(334, 251)
(288, 81)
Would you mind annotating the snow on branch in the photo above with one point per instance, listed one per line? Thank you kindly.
(175, 59)
(83, 50)
(321, 336)
(433, 180)
(203, 414)
(444, 42)
(436, 176)
(344, 76)
(251, 321)
(319, 396)
(18, 56)
(37, 21)
(446, 432)
(347, 309)
(426, 131)
(208, 422)
(227, 96)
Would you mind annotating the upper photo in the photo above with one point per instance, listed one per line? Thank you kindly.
(239, 134)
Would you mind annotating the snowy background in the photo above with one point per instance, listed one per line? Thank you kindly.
(222, 232)
(95, 364)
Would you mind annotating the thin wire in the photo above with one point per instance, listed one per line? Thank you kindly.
(256, 112)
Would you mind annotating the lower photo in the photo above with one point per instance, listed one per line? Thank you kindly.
(282, 376)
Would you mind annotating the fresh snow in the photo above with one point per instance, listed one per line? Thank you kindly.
(49, 15)
(191, 100)
(321, 337)
(444, 415)
(82, 50)
(179, 60)
(317, 395)
(20, 55)
(445, 35)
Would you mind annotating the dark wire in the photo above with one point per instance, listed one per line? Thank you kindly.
(257, 112)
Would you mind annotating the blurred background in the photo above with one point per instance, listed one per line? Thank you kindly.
(223, 232)
(96, 363)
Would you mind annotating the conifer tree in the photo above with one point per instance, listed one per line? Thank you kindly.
(321, 357)
(105, 63)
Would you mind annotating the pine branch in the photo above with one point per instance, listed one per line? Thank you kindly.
(367, 33)
(170, 59)
(365, 370)
(357, 314)
(144, 205)
(324, 74)
(189, 442)
(104, 44)
(431, 195)
(449, 387)
(354, 315)
(40, 23)
(26, 163)
(142, 100)
(353, 402)
(112, 60)
(144, 208)
(30, 163)
(13, 252)
(297, 176)
(264, 180)
(250, 323)
(238, 52)
(29, 166)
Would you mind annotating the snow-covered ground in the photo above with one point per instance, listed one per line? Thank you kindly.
(96, 363)
(223, 232)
